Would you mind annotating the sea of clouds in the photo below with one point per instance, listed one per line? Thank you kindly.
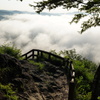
(48, 31)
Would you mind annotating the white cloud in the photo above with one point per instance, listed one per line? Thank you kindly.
(28, 31)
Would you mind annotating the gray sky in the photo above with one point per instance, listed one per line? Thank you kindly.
(16, 5)
(22, 6)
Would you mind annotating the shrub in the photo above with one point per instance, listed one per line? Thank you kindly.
(85, 70)
(39, 65)
(10, 50)
(7, 92)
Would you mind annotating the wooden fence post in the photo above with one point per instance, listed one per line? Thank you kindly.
(25, 57)
(41, 54)
(37, 56)
(49, 57)
(63, 63)
(71, 82)
(71, 90)
(33, 54)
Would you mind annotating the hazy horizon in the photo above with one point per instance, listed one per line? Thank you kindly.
(47, 31)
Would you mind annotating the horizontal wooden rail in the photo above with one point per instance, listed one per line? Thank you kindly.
(36, 54)
(33, 50)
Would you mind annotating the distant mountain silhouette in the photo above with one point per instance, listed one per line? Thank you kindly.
(12, 12)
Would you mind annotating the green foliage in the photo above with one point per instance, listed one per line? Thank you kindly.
(39, 65)
(55, 60)
(3, 72)
(85, 71)
(45, 56)
(90, 8)
(71, 54)
(54, 52)
(85, 68)
(52, 59)
(8, 72)
(10, 50)
(7, 92)
(98, 98)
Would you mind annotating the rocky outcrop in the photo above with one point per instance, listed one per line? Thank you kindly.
(32, 83)
(10, 68)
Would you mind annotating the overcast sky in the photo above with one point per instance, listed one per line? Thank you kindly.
(47, 31)
(16, 5)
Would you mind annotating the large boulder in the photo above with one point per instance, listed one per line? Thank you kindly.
(10, 68)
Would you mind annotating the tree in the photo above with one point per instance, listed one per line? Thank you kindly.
(85, 8)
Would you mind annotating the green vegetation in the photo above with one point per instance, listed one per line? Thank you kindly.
(85, 71)
(56, 61)
(10, 50)
(7, 72)
(9, 94)
(98, 98)
(52, 59)
(5, 88)
(39, 64)
(84, 68)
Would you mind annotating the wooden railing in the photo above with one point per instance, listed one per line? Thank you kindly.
(38, 55)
